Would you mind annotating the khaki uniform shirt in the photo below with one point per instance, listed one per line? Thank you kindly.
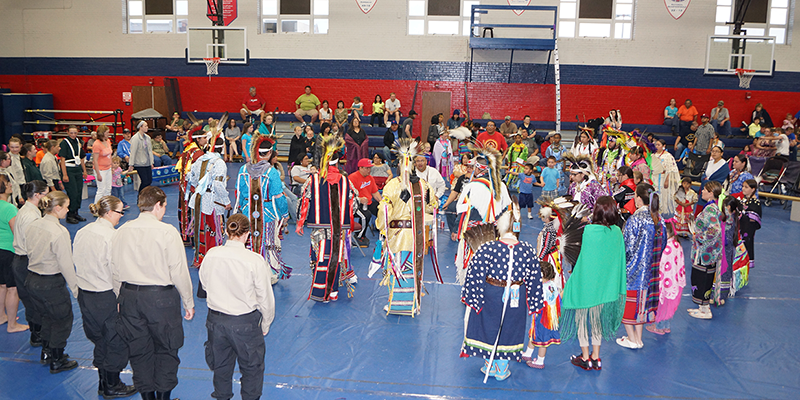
(26, 215)
(149, 252)
(92, 254)
(50, 250)
(237, 282)
(50, 170)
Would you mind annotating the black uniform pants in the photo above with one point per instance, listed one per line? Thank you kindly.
(232, 338)
(20, 268)
(150, 323)
(51, 300)
(74, 189)
(364, 214)
(145, 176)
(99, 313)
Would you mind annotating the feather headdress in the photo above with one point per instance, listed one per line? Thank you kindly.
(580, 163)
(406, 151)
(460, 133)
(256, 146)
(493, 158)
(331, 144)
(479, 234)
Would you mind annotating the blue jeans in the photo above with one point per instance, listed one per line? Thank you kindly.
(119, 192)
(161, 160)
(723, 130)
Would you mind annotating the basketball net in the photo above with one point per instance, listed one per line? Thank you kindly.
(745, 76)
(212, 66)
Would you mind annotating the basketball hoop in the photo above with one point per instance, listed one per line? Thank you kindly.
(745, 75)
(212, 66)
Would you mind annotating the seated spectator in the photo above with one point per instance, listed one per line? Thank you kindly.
(300, 144)
(683, 160)
(232, 134)
(671, 116)
(762, 147)
(392, 107)
(307, 104)
(340, 114)
(176, 122)
(252, 105)
(392, 134)
(357, 108)
(721, 119)
(717, 141)
(792, 135)
(789, 122)
(381, 172)
(377, 112)
(160, 156)
(300, 172)
(508, 128)
(687, 114)
(325, 113)
(762, 114)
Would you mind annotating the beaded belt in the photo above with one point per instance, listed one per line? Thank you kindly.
(400, 224)
(499, 283)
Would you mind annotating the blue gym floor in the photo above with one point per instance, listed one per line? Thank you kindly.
(350, 349)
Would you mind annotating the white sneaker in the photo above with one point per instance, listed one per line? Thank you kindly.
(353, 280)
(530, 216)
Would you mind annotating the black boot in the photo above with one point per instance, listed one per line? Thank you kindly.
(201, 293)
(36, 337)
(60, 362)
(114, 388)
(46, 355)
(164, 395)
(148, 395)
(100, 382)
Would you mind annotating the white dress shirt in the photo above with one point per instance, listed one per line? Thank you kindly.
(50, 250)
(91, 252)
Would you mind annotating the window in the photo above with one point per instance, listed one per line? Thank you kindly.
(294, 16)
(440, 17)
(763, 18)
(156, 16)
(596, 18)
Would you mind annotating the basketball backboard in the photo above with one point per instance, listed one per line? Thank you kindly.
(726, 53)
(227, 43)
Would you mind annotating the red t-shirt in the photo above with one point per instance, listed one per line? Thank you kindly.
(497, 140)
(364, 185)
(253, 103)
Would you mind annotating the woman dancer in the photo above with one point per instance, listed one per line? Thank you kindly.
(706, 250)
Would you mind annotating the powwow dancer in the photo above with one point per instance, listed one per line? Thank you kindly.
(584, 188)
(208, 201)
(406, 216)
(259, 195)
(193, 151)
(504, 281)
(487, 194)
(326, 205)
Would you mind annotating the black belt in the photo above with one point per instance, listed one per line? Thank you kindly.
(146, 288)
(400, 224)
(221, 314)
(42, 275)
(92, 291)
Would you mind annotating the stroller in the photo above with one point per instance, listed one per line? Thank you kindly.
(789, 182)
(770, 176)
(695, 166)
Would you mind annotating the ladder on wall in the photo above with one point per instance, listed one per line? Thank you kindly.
(557, 73)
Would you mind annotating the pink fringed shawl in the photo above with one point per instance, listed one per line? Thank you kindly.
(673, 279)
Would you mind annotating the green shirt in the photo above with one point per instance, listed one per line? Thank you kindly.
(69, 148)
(7, 212)
(32, 172)
(307, 101)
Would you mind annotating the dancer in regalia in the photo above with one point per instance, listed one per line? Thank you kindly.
(208, 200)
(751, 218)
(326, 205)
(406, 216)
(193, 151)
(584, 187)
(503, 285)
(259, 195)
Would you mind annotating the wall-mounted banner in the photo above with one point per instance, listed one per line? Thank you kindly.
(230, 10)
(519, 3)
(676, 8)
(366, 5)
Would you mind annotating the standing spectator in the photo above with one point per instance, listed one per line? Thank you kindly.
(124, 147)
(15, 172)
(98, 303)
(378, 108)
(704, 136)
(142, 156)
(436, 129)
(792, 135)
(49, 166)
(721, 119)
(102, 163)
(325, 113)
(393, 109)
(247, 137)
(687, 114)
(241, 308)
(707, 247)
(28, 159)
(150, 286)
(356, 145)
(50, 273)
(614, 119)
(456, 120)
(671, 116)
(307, 104)
(430, 175)
(491, 138)
(408, 124)
(232, 134)
(9, 298)
(763, 115)
(252, 105)
(717, 170)
(73, 172)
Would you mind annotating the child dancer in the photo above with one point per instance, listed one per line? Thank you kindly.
(731, 210)
(544, 331)
(671, 281)
(685, 199)
(751, 218)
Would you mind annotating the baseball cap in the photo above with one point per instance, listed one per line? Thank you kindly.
(704, 116)
(412, 112)
(394, 122)
(720, 103)
(364, 162)
(456, 112)
(508, 117)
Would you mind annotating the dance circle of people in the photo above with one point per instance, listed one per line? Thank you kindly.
(608, 254)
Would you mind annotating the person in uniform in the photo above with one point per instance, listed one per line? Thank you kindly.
(192, 152)
(92, 255)
(32, 192)
(151, 285)
(259, 195)
(73, 172)
(50, 272)
(326, 205)
(405, 219)
(208, 198)
(241, 307)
